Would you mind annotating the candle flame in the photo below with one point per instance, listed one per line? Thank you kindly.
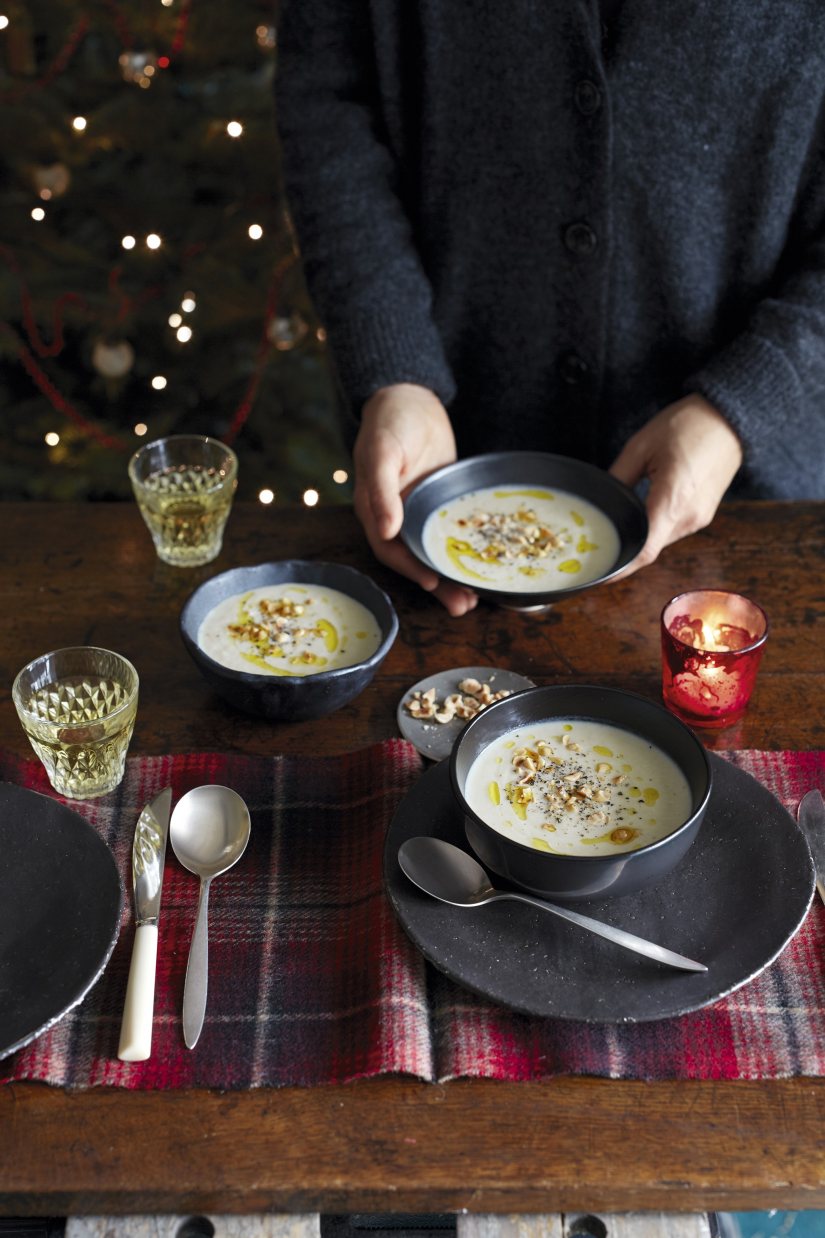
(711, 633)
(712, 636)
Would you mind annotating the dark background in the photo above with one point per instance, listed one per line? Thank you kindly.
(85, 322)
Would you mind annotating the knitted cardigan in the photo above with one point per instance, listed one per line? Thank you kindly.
(560, 232)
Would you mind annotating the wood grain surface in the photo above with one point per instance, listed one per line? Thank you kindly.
(87, 574)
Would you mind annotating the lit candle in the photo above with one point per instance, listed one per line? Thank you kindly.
(712, 643)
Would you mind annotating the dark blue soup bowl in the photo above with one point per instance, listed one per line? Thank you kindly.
(549, 874)
(536, 468)
(290, 698)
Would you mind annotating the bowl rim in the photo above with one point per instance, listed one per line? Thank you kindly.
(532, 597)
(251, 678)
(543, 857)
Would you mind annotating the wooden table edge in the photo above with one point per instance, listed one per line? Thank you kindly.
(392, 1144)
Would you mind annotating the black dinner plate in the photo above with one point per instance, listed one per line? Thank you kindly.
(60, 905)
(733, 903)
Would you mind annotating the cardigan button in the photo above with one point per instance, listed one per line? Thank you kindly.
(573, 369)
(587, 97)
(580, 238)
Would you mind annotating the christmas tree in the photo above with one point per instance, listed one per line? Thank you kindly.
(149, 282)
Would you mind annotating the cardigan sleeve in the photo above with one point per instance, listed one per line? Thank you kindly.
(361, 265)
(769, 380)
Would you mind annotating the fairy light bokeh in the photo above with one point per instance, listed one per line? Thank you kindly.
(171, 128)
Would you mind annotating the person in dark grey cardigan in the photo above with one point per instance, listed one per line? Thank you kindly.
(524, 228)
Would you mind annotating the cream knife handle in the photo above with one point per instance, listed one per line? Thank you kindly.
(136, 1028)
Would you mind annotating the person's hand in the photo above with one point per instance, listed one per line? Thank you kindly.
(690, 455)
(405, 434)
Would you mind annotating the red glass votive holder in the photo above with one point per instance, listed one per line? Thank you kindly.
(712, 643)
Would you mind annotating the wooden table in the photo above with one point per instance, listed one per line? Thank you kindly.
(74, 574)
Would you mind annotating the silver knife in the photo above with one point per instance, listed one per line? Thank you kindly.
(148, 856)
(811, 817)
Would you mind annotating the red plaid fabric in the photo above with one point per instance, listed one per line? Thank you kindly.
(313, 981)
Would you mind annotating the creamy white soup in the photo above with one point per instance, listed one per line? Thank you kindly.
(521, 539)
(578, 787)
(289, 629)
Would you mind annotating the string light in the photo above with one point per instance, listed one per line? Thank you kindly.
(52, 438)
(153, 241)
(128, 242)
(38, 213)
(158, 382)
(140, 429)
(4, 21)
(188, 303)
(175, 320)
(266, 36)
(340, 475)
(79, 123)
(234, 128)
(184, 334)
(45, 194)
(311, 497)
(167, 4)
(266, 496)
(255, 231)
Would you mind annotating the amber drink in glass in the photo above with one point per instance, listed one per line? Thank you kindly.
(77, 707)
(184, 486)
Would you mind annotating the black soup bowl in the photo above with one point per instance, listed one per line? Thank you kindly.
(291, 698)
(552, 875)
(532, 468)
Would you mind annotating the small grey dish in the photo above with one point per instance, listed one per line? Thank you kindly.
(549, 874)
(291, 698)
(619, 503)
(435, 739)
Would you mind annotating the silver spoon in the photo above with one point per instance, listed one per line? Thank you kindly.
(209, 831)
(451, 875)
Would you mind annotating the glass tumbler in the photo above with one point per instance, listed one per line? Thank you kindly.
(78, 707)
(184, 486)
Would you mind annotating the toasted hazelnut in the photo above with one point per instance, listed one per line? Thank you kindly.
(471, 686)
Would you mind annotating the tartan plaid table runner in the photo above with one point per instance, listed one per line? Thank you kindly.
(312, 980)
